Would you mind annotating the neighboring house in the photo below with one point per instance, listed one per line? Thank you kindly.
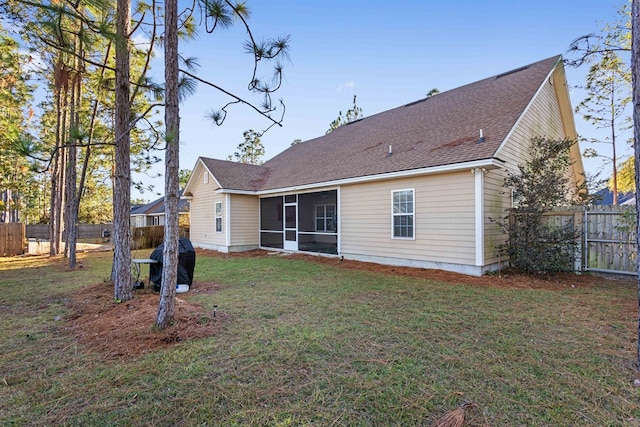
(420, 185)
(605, 197)
(153, 213)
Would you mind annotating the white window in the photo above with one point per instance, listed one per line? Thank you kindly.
(326, 218)
(218, 217)
(206, 177)
(402, 208)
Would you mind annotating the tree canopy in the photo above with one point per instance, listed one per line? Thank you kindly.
(354, 113)
(251, 150)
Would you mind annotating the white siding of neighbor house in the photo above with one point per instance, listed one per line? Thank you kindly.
(444, 221)
(203, 219)
(244, 211)
(542, 119)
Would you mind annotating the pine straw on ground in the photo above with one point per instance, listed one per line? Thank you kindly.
(127, 329)
(469, 414)
(506, 280)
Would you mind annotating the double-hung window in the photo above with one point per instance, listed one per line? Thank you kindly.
(326, 218)
(403, 212)
(218, 217)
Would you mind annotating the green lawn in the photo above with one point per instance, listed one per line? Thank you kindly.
(309, 344)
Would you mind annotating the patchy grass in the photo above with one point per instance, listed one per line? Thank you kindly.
(304, 342)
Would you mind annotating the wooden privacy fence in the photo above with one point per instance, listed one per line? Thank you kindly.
(608, 237)
(152, 236)
(12, 239)
(85, 231)
(141, 237)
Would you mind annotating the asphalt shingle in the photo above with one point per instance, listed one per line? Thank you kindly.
(436, 131)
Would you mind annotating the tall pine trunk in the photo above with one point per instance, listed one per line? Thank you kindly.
(123, 285)
(73, 197)
(166, 308)
(58, 161)
(635, 74)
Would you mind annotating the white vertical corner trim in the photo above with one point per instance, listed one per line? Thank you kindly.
(339, 214)
(479, 214)
(227, 219)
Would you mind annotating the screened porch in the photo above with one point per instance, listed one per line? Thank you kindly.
(300, 222)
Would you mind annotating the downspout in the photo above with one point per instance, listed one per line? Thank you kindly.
(227, 228)
(339, 218)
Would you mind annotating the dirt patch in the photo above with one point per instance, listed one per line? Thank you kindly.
(126, 329)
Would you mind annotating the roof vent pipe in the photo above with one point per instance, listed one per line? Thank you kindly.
(481, 139)
(390, 150)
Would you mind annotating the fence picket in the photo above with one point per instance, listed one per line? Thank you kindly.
(12, 239)
(608, 243)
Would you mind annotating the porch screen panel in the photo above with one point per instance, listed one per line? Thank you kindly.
(272, 240)
(290, 214)
(308, 208)
(317, 222)
(271, 214)
(271, 223)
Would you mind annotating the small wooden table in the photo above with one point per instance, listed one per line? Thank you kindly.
(137, 262)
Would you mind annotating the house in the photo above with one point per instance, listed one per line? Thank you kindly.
(153, 213)
(605, 197)
(419, 185)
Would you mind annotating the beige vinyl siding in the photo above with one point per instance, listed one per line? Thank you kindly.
(444, 219)
(203, 222)
(244, 221)
(543, 119)
(497, 200)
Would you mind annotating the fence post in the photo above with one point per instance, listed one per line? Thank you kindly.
(578, 224)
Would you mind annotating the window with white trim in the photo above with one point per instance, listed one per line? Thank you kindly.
(403, 211)
(218, 217)
(206, 177)
(326, 218)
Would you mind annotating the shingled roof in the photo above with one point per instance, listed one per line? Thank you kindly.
(156, 207)
(237, 176)
(436, 131)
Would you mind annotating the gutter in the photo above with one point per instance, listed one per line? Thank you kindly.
(488, 164)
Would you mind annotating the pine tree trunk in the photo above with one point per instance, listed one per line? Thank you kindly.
(166, 307)
(71, 216)
(57, 172)
(123, 285)
(635, 73)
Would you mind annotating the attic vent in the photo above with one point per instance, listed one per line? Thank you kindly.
(415, 102)
(512, 71)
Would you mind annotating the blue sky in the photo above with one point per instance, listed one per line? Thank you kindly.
(386, 53)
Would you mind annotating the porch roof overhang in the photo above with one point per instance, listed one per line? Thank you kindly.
(488, 164)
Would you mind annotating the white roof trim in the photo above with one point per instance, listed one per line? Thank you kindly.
(231, 191)
(492, 163)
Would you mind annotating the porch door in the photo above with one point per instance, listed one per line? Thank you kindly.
(291, 222)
